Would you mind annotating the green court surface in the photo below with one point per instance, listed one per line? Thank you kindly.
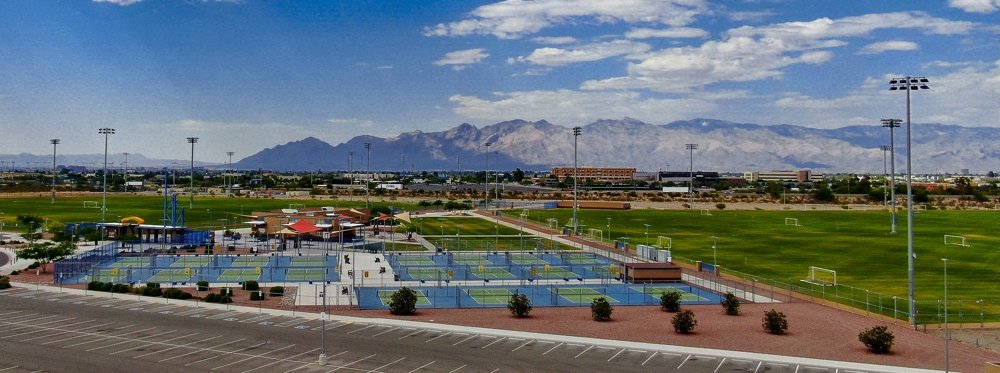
(414, 260)
(386, 295)
(471, 261)
(306, 274)
(253, 261)
(490, 296)
(309, 261)
(656, 291)
(522, 260)
(238, 275)
(555, 272)
(173, 275)
(582, 295)
(492, 273)
(419, 273)
(604, 271)
(133, 262)
(578, 259)
(106, 275)
(191, 262)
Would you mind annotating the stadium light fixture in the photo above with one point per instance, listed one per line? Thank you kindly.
(691, 148)
(908, 84)
(368, 193)
(487, 188)
(885, 174)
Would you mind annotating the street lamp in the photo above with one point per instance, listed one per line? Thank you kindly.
(909, 84)
(229, 180)
(691, 148)
(192, 141)
(892, 123)
(715, 258)
(576, 134)
(368, 193)
(946, 336)
(54, 143)
(885, 173)
(125, 173)
(350, 158)
(647, 234)
(104, 184)
(609, 229)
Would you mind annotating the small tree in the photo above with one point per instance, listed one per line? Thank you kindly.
(47, 252)
(519, 305)
(670, 301)
(731, 304)
(600, 309)
(774, 322)
(720, 206)
(684, 322)
(403, 302)
(878, 339)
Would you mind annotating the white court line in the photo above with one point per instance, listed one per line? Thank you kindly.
(175, 347)
(553, 348)
(383, 366)
(426, 365)
(131, 341)
(439, 336)
(583, 352)
(288, 359)
(491, 343)
(103, 337)
(84, 334)
(254, 356)
(228, 353)
(153, 343)
(352, 363)
(199, 350)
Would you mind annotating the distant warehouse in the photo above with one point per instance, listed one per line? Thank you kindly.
(596, 173)
(801, 176)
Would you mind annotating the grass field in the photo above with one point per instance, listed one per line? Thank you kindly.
(856, 244)
(465, 226)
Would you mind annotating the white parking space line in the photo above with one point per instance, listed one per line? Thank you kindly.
(649, 358)
(255, 319)
(439, 336)
(28, 319)
(191, 312)
(291, 322)
(352, 363)
(491, 343)
(253, 356)
(224, 315)
(553, 348)
(103, 337)
(227, 353)
(720, 365)
(153, 343)
(290, 358)
(460, 342)
(424, 366)
(13, 367)
(197, 350)
(685, 360)
(616, 355)
(387, 330)
(583, 352)
(339, 324)
(167, 307)
(522, 345)
(59, 333)
(412, 334)
(385, 365)
(358, 330)
(5, 314)
(459, 368)
(175, 347)
(762, 363)
(131, 340)
(32, 328)
(84, 334)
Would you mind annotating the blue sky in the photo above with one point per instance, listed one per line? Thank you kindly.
(245, 75)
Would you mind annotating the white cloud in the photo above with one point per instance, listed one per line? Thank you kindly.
(976, 6)
(512, 19)
(891, 45)
(676, 32)
(554, 40)
(118, 2)
(575, 107)
(592, 52)
(459, 60)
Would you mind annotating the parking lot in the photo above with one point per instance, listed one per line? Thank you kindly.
(159, 336)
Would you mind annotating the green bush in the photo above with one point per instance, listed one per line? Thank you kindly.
(277, 291)
(33, 265)
(4, 282)
(151, 290)
(120, 288)
(519, 305)
(226, 292)
(720, 206)
(684, 322)
(175, 293)
(15, 272)
(212, 298)
(731, 304)
(670, 301)
(94, 285)
(774, 322)
(106, 286)
(202, 285)
(600, 309)
(257, 295)
(878, 339)
(251, 285)
(403, 302)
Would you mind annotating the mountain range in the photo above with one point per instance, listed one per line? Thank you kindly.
(721, 146)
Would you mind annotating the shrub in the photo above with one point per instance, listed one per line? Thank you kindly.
(175, 293)
(774, 322)
(202, 285)
(731, 304)
(251, 285)
(403, 302)
(33, 265)
(257, 295)
(670, 301)
(684, 322)
(120, 288)
(106, 286)
(720, 206)
(151, 290)
(519, 305)
(94, 285)
(15, 272)
(600, 309)
(227, 292)
(212, 298)
(277, 291)
(878, 339)
(4, 282)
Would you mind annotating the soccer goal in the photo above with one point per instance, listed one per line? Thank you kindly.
(955, 240)
(706, 212)
(821, 276)
(552, 222)
(595, 234)
(792, 222)
(664, 242)
(90, 204)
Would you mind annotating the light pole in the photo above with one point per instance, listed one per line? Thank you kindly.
(125, 173)
(609, 229)
(229, 180)
(691, 148)
(368, 193)
(576, 134)
(885, 173)
(946, 336)
(192, 141)
(350, 158)
(322, 339)
(54, 143)
(647, 234)
(487, 189)
(909, 84)
(891, 124)
(715, 258)
(104, 184)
